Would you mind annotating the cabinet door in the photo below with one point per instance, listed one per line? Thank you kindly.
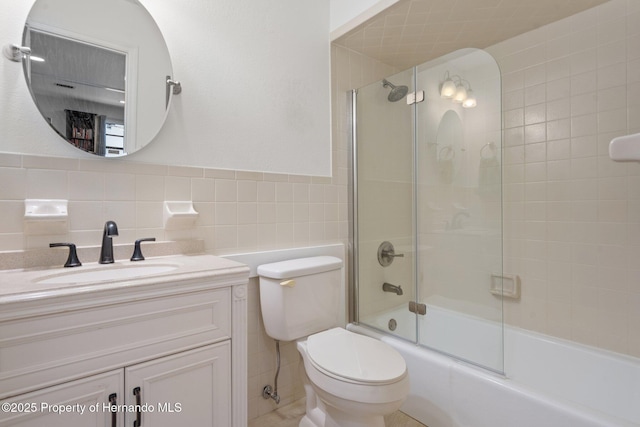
(190, 388)
(80, 403)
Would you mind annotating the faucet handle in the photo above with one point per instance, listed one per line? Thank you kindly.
(72, 259)
(387, 253)
(137, 252)
(391, 253)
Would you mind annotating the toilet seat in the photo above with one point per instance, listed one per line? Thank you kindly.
(350, 357)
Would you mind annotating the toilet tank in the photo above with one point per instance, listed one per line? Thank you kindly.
(300, 297)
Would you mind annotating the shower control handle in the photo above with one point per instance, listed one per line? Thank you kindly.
(386, 254)
(392, 254)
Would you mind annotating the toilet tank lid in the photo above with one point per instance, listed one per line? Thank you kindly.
(299, 267)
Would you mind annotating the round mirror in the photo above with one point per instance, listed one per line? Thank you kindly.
(98, 72)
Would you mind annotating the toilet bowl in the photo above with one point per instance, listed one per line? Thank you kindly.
(350, 380)
(357, 379)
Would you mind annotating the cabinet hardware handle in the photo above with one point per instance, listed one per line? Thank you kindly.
(113, 399)
(138, 421)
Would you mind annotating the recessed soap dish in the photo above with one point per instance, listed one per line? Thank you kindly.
(179, 215)
(45, 216)
(505, 285)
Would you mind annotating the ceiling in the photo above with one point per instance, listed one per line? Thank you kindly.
(415, 31)
(76, 69)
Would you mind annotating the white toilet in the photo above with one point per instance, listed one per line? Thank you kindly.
(350, 380)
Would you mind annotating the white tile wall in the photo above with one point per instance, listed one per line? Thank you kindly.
(239, 211)
(570, 212)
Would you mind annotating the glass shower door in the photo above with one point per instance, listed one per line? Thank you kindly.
(384, 231)
(459, 209)
(428, 207)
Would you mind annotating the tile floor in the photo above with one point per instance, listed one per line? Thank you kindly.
(290, 415)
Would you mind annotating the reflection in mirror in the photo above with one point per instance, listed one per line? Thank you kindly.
(84, 101)
(98, 72)
(450, 143)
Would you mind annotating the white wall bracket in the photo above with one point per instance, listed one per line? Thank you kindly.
(45, 216)
(415, 97)
(179, 215)
(625, 148)
(505, 285)
(15, 53)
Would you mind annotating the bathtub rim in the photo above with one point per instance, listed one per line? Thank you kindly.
(502, 382)
(506, 330)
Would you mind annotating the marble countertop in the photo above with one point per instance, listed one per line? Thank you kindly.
(38, 283)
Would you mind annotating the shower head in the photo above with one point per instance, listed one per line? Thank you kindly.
(397, 92)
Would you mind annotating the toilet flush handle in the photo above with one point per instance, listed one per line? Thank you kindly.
(290, 283)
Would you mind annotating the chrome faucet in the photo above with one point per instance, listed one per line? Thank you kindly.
(456, 221)
(388, 287)
(106, 252)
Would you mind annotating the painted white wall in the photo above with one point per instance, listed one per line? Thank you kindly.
(345, 15)
(256, 88)
(342, 11)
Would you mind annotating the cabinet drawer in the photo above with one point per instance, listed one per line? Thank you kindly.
(44, 350)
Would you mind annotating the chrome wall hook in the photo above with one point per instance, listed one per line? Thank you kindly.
(15, 53)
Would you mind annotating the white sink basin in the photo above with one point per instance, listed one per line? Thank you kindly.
(40, 283)
(108, 273)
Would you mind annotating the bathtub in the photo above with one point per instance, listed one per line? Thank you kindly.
(548, 382)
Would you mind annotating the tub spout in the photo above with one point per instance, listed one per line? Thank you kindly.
(388, 287)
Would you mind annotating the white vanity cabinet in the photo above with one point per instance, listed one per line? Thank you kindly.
(187, 388)
(28, 410)
(191, 388)
(164, 350)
